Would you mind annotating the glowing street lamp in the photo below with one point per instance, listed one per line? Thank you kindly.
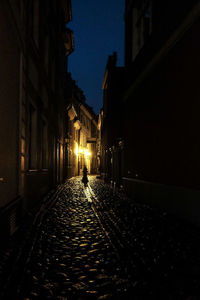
(87, 153)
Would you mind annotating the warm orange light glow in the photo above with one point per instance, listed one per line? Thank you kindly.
(87, 153)
(83, 151)
(77, 150)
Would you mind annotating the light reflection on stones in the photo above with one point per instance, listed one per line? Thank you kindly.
(73, 253)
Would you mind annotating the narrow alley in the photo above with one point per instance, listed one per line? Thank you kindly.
(95, 243)
(107, 90)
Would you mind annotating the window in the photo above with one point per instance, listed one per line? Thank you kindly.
(32, 137)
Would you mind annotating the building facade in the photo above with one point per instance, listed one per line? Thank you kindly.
(112, 121)
(34, 45)
(99, 143)
(82, 132)
(160, 155)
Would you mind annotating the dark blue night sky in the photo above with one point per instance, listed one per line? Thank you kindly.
(98, 31)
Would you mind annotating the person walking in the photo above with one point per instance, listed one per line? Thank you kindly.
(85, 178)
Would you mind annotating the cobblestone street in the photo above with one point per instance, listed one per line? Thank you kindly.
(96, 244)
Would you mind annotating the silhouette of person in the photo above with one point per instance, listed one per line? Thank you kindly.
(85, 178)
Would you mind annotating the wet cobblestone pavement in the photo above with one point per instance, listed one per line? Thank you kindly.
(94, 244)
